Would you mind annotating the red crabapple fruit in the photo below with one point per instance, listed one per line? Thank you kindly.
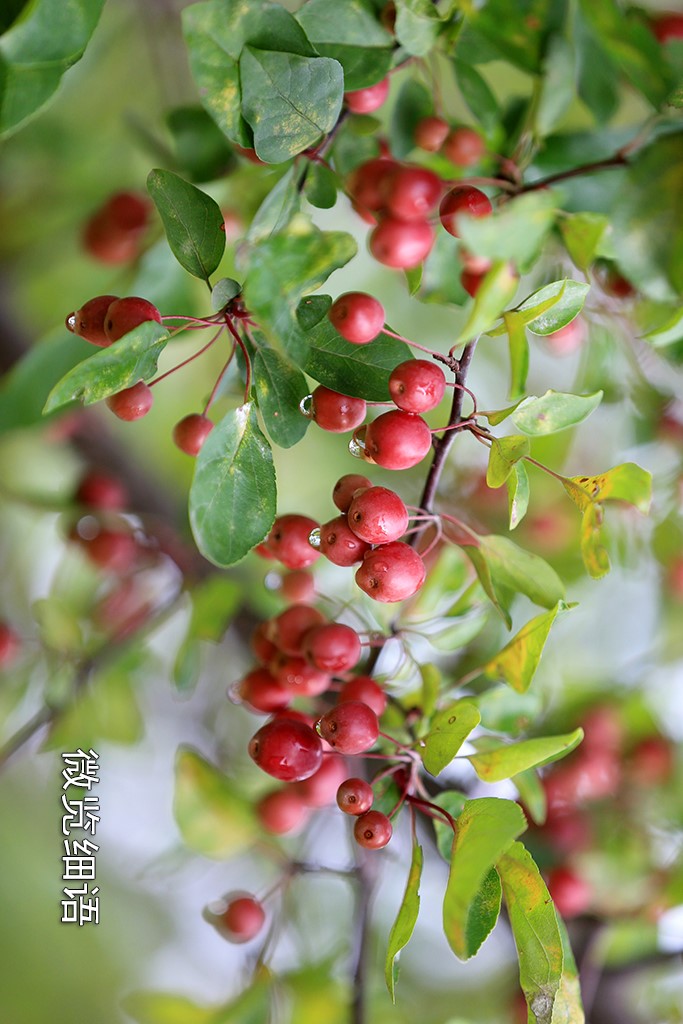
(242, 919)
(126, 314)
(391, 572)
(397, 440)
(288, 629)
(463, 199)
(355, 796)
(345, 487)
(464, 147)
(411, 193)
(190, 433)
(335, 412)
(366, 101)
(287, 749)
(99, 490)
(372, 830)
(358, 317)
(417, 385)
(401, 243)
(132, 403)
(281, 811)
(365, 689)
(366, 184)
(88, 321)
(431, 133)
(334, 647)
(340, 544)
(319, 789)
(288, 541)
(350, 727)
(378, 515)
(10, 645)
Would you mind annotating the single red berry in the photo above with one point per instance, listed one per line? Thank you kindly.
(358, 317)
(320, 788)
(401, 243)
(298, 676)
(667, 26)
(10, 645)
(350, 727)
(367, 182)
(101, 491)
(411, 192)
(88, 321)
(261, 643)
(464, 147)
(475, 264)
(612, 282)
(431, 133)
(417, 385)
(113, 233)
(242, 919)
(112, 550)
(282, 811)
(132, 403)
(463, 199)
(391, 572)
(652, 761)
(378, 515)
(372, 830)
(365, 689)
(340, 544)
(126, 314)
(335, 412)
(287, 749)
(298, 585)
(334, 647)
(572, 895)
(288, 629)
(366, 101)
(397, 440)
(355, 796)
(471, 281)
(191, 432)
(567, 339)
(262, 692)
(288, 541)
(345, 487)
(603, 730)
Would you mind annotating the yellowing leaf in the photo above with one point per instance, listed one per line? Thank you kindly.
(213, 817)
(518, 660)
(504, 761)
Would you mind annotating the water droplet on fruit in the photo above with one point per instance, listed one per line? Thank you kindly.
(306, 407)
(70, 323)
(357, 445)
(314, 538)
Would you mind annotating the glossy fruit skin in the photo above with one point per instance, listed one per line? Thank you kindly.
(358, 317)
(365, 101)
(464, 147)
(431, 133)
(401, 244)
(397, 440)
(411, 193)
(345, 487)
(262, 692)
(288, 541)
(463, 199)
(299, 677)
(101, 491)
(113, 233)
(350, 727)
(378, 515)
(190, 433)
(571, 894)
(281, 811)
(126, 314)
(372, 830)
(366, 184)
(334, 647)
(298, 586)
(288, 629)
(365, 689)
(132, 403)
(88, 321)
(10, 645)
(392, 572)
(355, 796)
(287, 749)
(340, 544)
(242, 919)
(336, 413)
(417, 385)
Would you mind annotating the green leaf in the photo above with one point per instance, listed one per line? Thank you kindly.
(535, 930)
(24, 389)
(494, 293)
(48, 38)
(485, 829)
(321, 187)
(532, 795)
(627, 482)
(597, 76)
(223, 292)
(504, 454)
(519, 659)
(193, 222)
(277, 209)
(518, 570)
(477, 95)
(557, 86)
(431, 685)
(106, 710)
(503, 710)
(58, 624)
(582, 234)
(130, 359)
(280, 386)
(518, 494)
(568, 1008)
(516, 233)
(554, 411)
(647, 219)
(202, 151)
(453, 802)
(403, 926)
(216, 32)
(448, 730)
(504, 761)
(554, 306)
(289, 101)
(348, 31)
(518, 347)
(413, 103)
(233, 492)
(417, 26)
(516, 30)
(213, 817)
(361, 371)
(166, 1008)
(497, 416)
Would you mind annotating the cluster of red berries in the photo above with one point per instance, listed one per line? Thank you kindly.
(105, 319)
(114, 233)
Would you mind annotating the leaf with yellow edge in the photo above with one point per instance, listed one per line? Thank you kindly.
(504, 761)
(518, 660)
(568, 1008)
(593, 552)
(627, 482)
(212, 815)
(448, 730)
